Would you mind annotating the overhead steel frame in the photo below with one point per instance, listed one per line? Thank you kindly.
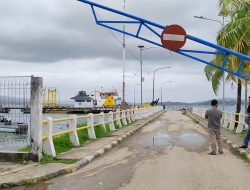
(149, 25)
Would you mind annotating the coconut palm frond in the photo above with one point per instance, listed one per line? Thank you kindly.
(209, 71)
(216, 80)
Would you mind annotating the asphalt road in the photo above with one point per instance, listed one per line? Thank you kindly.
(168, 154)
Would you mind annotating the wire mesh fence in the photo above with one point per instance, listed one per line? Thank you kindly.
(15, 92)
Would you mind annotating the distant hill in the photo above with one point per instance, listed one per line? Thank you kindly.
(228, 101)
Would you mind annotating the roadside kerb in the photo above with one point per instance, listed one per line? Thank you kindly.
(233, 146)
(83, 162)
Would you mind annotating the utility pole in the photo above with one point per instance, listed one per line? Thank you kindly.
(222, 26)
(154, 79)
(161, 89)
(123, 60)
(141, 48)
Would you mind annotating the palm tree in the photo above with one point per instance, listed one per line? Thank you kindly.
(236, 36)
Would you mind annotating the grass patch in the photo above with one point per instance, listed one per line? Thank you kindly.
(82, 134)
(62, 143)
(117, 126)
(49, 159)
(25, 149)
(100, 132)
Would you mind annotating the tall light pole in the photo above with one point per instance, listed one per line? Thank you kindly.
(161, 88)
(154, 79)
(222, 25)
(123, 60)
(141, 49)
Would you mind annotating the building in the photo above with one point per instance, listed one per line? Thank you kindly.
(82, 100)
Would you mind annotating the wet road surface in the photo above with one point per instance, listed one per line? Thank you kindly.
(170, 153)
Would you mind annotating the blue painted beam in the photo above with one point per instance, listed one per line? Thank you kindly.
(219, 50)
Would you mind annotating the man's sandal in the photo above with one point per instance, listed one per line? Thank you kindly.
(211, 153)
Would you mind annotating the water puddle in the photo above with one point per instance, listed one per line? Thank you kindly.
(189, 140)
(161, 140)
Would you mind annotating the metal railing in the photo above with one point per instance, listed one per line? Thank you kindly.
(228, 119)
(121, 118)
(15, 122)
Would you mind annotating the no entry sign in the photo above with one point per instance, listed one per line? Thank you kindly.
(173, 37)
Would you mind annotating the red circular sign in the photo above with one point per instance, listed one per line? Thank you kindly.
(173, 37)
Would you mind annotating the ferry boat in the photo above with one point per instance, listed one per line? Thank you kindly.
(96, 99)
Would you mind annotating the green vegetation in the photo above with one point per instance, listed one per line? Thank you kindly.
(25, 149)
(62, 143)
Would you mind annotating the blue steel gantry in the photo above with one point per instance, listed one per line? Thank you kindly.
(153, 27)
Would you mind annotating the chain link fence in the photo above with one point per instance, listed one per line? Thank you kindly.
(15, 117)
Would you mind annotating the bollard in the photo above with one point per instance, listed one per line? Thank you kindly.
(111, 121)
(136, 114)
(128, 116)
(91, 129)
(101, 121)
(48, 144)
(232, 123)
(118, 118)
(132, 114)
(73, 135)
(228, 122)
(124, 121)
(241, 123)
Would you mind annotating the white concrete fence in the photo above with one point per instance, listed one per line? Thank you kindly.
(228, 119)
(122, 118)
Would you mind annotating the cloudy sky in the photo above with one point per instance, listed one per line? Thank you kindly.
(59, 41)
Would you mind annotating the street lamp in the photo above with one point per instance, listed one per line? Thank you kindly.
(142, 48)
(154, 79)
(161, 88)
(222, 25)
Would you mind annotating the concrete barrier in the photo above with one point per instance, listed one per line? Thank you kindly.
(228, 119)
(121, 117)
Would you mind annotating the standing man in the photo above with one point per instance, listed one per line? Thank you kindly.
(247, 137)
(214, 116)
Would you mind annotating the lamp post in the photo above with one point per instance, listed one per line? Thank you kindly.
(154, 79)
(123, 60)
(222, 25)
(161, 88)
(142, 48)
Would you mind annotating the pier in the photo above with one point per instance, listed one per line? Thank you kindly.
(125, 95)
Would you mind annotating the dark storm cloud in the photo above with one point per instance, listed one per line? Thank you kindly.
(54, 30)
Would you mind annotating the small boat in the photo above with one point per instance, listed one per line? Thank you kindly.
(19, 128)
(6, 125)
